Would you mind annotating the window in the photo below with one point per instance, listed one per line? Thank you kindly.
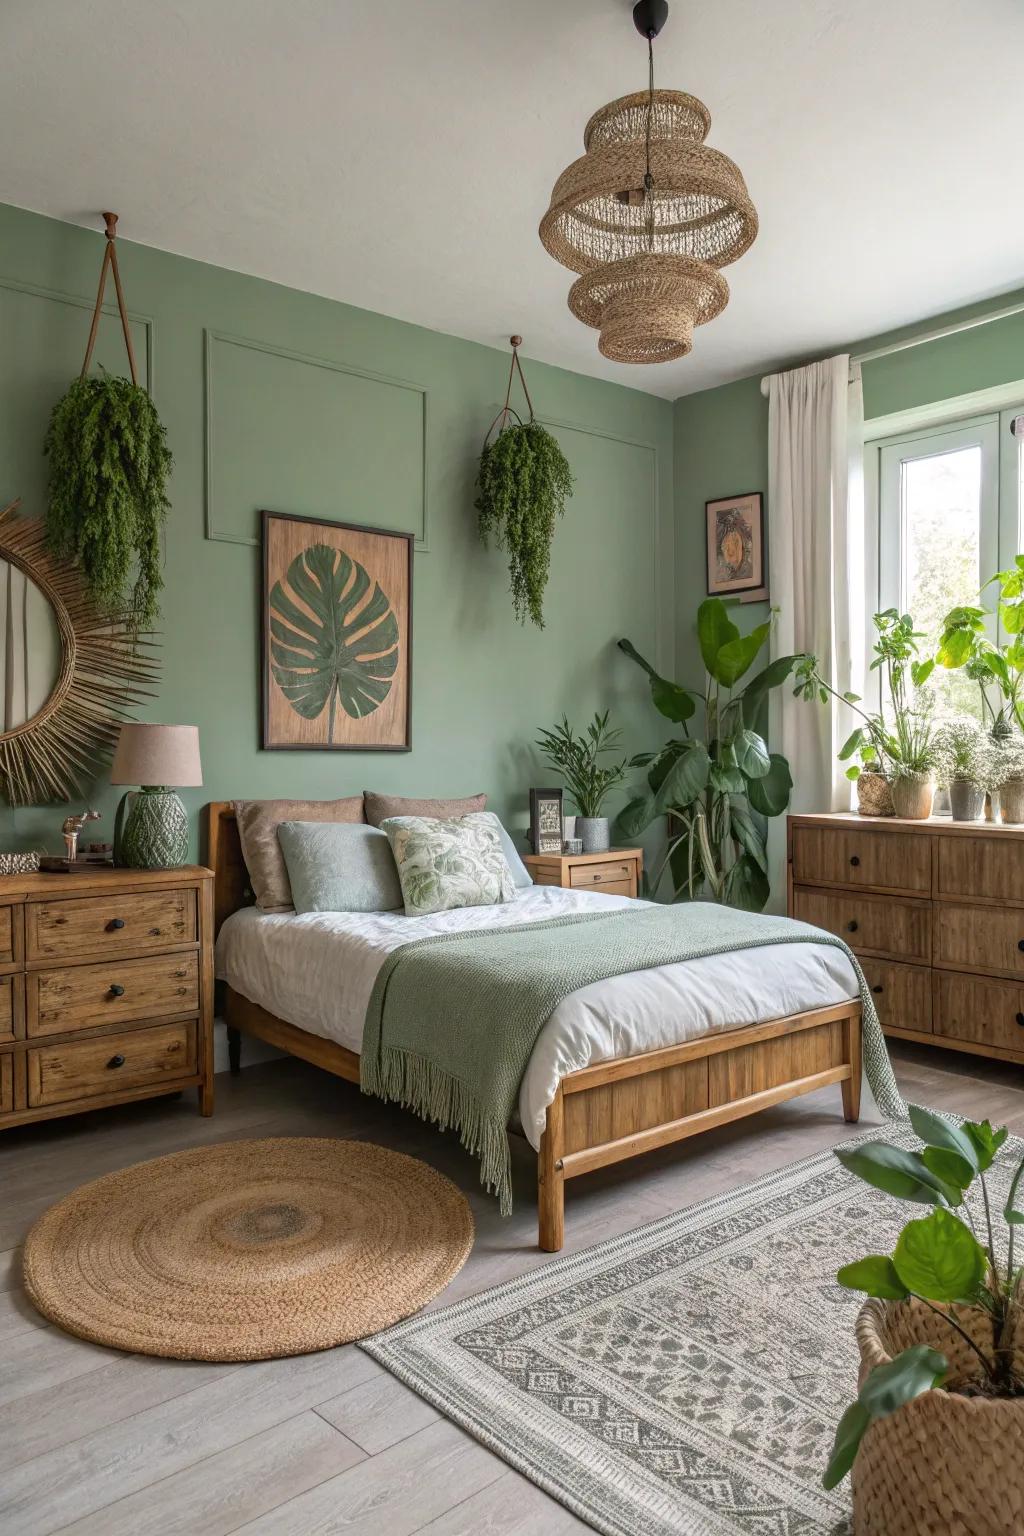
(949, 503)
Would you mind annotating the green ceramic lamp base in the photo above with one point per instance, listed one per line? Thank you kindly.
(151, 829)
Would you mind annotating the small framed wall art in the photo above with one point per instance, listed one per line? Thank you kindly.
(337, 636)
(736, 547)
(546, 820)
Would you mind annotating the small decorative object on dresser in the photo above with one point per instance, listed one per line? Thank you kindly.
(614, 873)
(934, 912)
(151, 827)
(337, 636)
(735, 538)
(546, 820)
(106, 990)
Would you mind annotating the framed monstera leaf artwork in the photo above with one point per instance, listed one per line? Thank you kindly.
(337, 636)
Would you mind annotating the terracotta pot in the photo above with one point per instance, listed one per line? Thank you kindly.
(874, 795)
(913, 797)
(943, 1462)
(1011, 800)
(966, 800)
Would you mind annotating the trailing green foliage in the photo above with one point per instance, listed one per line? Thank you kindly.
(947, 1264)
(719, 792)
(576, 759)
(523, 483)
(109, 467)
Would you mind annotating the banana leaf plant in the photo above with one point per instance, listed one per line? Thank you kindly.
(717, 789)
(949, 1261)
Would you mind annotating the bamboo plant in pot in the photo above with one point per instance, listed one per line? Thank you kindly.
(589, 783)
(935, 1438)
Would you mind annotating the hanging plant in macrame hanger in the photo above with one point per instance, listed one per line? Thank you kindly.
(523, 483)
(109, 467)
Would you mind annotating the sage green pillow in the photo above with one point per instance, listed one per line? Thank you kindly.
(336, 866)
(457, 862)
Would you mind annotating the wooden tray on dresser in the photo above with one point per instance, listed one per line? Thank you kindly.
(106, 989)
(934, 911)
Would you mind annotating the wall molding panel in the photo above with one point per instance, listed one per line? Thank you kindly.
(217, 521)
(35, 291)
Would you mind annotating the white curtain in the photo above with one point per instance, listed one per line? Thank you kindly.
(816, 563)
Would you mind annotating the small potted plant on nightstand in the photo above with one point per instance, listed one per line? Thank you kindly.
(589, 784)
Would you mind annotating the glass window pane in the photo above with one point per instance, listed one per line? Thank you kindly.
(941, 564)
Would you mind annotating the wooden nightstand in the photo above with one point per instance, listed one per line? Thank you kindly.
(106, 990)
(615, 873)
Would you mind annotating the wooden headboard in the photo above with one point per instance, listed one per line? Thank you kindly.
(231, 888)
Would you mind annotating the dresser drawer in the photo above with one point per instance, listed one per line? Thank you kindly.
(881, 925)
(6, 1083)
(115, 991)
(94, 925)
(8, 949)
(991, 868)
(980, 1012)
(979, 938)
(902, 994)
(12, 1013)
(136, 1058)
(855, 856)
(614, 878)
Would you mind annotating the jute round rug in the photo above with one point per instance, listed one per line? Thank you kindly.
(249, 1250)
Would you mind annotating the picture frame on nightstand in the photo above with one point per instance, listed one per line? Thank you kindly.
(546, 820)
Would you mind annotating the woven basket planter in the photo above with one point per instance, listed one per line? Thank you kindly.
(874, 795)
(913, 797)
(944, 1464)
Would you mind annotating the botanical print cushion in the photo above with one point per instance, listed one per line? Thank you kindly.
(258, 821)
(452, 863)
(339, 867)
(379, 807)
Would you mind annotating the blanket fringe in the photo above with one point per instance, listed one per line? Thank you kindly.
(417, 1084)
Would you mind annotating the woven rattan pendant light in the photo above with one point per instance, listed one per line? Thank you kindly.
(648, 215)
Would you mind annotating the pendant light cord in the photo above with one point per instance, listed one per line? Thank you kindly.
(648, 178)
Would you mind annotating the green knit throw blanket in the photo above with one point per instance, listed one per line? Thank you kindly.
(452, 1019)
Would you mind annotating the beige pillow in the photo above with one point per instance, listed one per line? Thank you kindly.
(380, 807)
(258, 821)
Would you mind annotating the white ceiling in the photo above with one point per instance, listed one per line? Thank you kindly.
(399, 155)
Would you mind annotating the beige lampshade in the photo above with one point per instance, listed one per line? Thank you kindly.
(158, 754)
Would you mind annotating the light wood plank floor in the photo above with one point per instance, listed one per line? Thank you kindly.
(104, 1444)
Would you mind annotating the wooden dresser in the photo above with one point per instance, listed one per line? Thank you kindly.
(106, 990)
(615, 873)
(934, 911)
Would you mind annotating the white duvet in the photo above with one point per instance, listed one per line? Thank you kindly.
(317, 972)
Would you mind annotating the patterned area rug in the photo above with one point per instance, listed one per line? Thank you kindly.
(684, 1379)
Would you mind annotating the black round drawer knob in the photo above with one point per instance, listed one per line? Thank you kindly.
(1020, 945)
(115, 1061)
(855, 861)
(852, 926)
(116, 989)
(114, 924)
(878, 989)
(1020, 1020)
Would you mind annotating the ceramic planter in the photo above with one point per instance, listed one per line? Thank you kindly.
(943, 1462)
(874, 795)
(966, 800)
(1011, 800)
(913, 797)
(594, 832)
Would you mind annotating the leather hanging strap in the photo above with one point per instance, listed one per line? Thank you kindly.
(110, 260)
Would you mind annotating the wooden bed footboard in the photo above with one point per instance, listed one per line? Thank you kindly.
(616, 1109)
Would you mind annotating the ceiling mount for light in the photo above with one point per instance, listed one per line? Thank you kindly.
(647, 216)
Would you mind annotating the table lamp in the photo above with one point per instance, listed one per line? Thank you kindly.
(151, 825)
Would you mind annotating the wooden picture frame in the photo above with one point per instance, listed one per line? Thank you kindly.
(737, 555)
(545, 818)
(321, 577)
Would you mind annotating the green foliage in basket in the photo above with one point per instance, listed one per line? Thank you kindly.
(576, 759)
(718, 789)
(109, 469)
(949, 1261)
(523, 484)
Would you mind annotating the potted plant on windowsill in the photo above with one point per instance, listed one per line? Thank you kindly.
(964, 765)
(589, 784)
(1008, 777)
(935, 1438)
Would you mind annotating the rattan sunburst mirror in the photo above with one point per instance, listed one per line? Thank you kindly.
(91, 668)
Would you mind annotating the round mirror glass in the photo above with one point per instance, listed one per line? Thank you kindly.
(30, 650)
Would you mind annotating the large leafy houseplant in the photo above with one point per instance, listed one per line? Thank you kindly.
(576, 758)
(718, 788)
(949, 1263)
(964, 643)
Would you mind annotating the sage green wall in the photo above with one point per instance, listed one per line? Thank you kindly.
(267, 401)
(721, 435)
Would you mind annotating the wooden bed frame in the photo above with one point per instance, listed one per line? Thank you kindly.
(616, 1109)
